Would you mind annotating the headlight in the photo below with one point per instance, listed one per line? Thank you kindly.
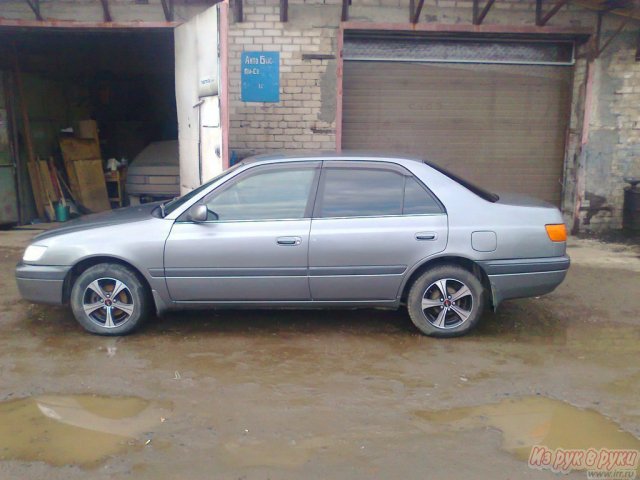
(33, 253)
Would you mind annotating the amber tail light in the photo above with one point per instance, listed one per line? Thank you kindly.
(557, 232)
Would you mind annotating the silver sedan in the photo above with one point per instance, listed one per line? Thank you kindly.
(314, 231)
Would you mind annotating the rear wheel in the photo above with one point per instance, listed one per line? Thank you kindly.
(109, 299)
(446, 301)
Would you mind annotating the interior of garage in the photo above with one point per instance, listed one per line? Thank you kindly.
(122, 81)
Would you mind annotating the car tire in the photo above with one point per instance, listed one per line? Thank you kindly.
(102, 312)
(450, 315)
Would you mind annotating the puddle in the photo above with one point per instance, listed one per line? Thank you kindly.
(530, 421)
(76, 429)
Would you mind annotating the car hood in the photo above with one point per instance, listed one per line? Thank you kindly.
(103, 219)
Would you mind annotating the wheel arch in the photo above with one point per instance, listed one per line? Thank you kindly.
(88, 262)
(455, 260)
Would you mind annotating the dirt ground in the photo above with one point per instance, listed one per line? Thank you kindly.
(326, 394)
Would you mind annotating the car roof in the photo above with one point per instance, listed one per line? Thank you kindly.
(330, 155)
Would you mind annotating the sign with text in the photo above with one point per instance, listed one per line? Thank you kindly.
(260, 75)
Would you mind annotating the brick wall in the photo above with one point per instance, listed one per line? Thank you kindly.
(305, 116)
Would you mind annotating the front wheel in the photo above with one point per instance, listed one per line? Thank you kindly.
(109, 299)
(446, 301)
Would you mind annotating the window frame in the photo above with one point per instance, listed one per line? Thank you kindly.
(257, 170)
(379, 166)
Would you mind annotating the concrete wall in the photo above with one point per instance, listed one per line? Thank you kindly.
(613, 148)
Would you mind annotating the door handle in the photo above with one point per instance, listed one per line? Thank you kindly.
(289, 241)
(426, 236)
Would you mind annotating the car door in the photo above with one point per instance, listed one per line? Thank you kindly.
(372, 221)
(254, 245)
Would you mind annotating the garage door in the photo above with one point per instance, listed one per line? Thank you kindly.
(500, 125)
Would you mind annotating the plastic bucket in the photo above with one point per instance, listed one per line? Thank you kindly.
(62, 212)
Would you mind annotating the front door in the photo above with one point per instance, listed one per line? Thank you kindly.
(254, 246)
(372, 222)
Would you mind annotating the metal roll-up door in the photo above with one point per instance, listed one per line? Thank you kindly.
(499, 124)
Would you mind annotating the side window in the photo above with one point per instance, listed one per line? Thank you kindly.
(274, 194)
(361, 192)
(417, 200)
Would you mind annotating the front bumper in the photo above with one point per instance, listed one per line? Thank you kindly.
(41, 283)
(529, 277)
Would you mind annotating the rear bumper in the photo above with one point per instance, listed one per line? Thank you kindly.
(41, 283)
(530, 277)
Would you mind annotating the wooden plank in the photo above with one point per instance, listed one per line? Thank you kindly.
(87, 129)
(45, 179)
(79, 149)
(83, 163)
(93, 190)
(36, 188)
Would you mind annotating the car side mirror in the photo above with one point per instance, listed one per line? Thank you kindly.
(198, 213)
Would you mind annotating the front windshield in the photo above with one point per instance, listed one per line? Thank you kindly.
(179, 201)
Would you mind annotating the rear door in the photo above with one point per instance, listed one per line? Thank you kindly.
(372, 221)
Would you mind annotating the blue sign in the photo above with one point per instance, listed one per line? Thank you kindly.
(260, 74)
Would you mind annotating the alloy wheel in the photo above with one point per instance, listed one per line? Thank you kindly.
(108, 302)
(447, 303)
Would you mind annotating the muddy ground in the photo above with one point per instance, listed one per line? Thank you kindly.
(331, 394)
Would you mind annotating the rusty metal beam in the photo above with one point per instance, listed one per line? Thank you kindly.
(106, 14)
(344, 16)
(167, 8)
(412, 8)
(10, 24)
(541, 20)
(416, 14)
(238, 12)
(600, 49)
(478, 16)
(284, 10)
(580, 33)
(34, 5)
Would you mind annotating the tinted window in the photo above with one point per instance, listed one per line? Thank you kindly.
(361, 193)
(177, 202)
(271, 194)
(417, 200)
(481, 192)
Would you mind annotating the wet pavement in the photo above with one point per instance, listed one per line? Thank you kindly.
(324, 394)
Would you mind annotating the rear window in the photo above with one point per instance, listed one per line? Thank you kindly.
(481, 192)
(361, 193)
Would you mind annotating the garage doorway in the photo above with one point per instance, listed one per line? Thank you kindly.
(122, 79)
(494, 112)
